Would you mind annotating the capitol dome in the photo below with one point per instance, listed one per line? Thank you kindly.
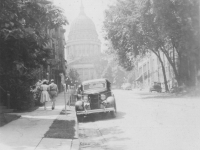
(82, 28)
(82, 46)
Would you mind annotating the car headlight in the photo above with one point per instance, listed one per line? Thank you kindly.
(103, 96)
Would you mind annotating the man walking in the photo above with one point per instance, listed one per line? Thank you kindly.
(53, 91)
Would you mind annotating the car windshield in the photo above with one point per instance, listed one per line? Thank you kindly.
(94, 85)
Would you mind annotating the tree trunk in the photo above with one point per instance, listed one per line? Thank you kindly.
(163, 70)
(164, 74)
(173, 65)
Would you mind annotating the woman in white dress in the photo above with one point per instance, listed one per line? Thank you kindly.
(44, 95)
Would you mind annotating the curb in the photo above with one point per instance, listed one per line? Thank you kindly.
(76, 142)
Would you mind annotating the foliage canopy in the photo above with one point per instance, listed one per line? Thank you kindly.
(135, 27)
(24, 43)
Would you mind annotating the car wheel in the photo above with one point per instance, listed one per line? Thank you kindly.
(114, 113)
(80, 118)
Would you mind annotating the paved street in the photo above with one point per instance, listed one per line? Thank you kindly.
(145, 121)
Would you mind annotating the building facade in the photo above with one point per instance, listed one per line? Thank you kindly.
(55, 64)
(149, 70)
(82, 46)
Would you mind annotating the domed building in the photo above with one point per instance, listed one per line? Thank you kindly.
(82, 46)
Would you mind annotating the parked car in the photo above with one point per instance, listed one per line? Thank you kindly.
(127, 86)
(95, 96)
(156, 87)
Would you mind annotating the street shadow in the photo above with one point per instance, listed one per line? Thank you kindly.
(114, 147)
(27, 110)
(147, 93)
(101, 117)
(114, 130)
(161, 96)
(156, 95)
(7, 118)
(110, 135)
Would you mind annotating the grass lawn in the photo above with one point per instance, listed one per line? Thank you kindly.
(64, 129)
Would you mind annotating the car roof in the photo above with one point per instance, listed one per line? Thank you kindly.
(95, 80)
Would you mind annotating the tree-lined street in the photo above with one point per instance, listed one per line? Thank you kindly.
(145, 121)
(147, 51)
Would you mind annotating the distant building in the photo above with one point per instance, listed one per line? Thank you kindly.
(82, 45)
(149, 70)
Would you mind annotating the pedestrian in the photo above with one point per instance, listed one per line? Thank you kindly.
(79, 92)
(44, 98)
(53, 91)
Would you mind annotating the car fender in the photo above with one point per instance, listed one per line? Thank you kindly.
(110, 101)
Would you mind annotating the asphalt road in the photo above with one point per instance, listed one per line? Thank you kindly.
(145, 121)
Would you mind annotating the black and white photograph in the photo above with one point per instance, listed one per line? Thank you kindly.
(99, 75)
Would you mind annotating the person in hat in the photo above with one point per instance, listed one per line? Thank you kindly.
(44, 95)
(53, 91)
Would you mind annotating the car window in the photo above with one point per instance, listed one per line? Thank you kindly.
(94, 85)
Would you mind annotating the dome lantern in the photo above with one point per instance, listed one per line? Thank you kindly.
(83, 27)
(82, 12)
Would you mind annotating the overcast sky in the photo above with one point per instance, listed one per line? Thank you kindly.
(94, 9)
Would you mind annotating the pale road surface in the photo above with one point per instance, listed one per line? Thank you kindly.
(145, 121)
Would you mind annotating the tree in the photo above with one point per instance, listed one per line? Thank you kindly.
(179, 24)
(73, 76)
(118, 75)
(130, 28)
(23, 42)
(160, 26)
(108, 74)
(117, 29)
(100, 62)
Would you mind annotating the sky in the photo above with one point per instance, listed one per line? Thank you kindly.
(94, 9)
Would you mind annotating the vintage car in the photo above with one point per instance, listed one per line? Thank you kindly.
(127, 86)
(156, 87)
(95, 96)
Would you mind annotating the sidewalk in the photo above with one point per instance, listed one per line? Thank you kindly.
(27, 132)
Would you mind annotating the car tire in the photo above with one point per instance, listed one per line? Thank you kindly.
(114, 113)
(79, 118)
